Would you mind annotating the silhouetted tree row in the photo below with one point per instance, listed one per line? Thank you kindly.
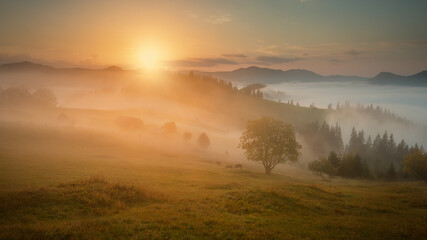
(22, 97)
(323, 138)
(377, 112)
(347, 166)
(363, 156)
(204, 83)
(382, 154)
(253, 90)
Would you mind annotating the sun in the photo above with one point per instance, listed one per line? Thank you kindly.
(149, 57)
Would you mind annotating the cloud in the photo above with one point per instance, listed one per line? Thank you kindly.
(417, 42)
(193, 15)
(353, 52)
(200, 62)
(336, 60)
(234, 55)
(218, 18)
(281, 49)
(268, 60)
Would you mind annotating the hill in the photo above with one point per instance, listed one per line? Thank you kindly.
(27, 66)
(387, 78)
(255, 74)
(36, 75)
(24, 66)
(245, 76)
(140, 193)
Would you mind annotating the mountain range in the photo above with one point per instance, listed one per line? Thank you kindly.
(255, 74)
(393, 79)
(35, 67)
(246, 76)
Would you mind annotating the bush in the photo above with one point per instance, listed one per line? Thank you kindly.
(322, 167)
(416, 165)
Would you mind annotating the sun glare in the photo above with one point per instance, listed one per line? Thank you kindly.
(149, 57)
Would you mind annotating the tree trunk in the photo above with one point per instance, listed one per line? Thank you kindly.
(267, 170)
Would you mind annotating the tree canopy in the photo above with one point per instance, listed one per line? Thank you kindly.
(204, 141)
(416, 164)
(270, 141)
(169, 127)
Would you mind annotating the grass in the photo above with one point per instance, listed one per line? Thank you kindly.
(91, 197)
(139, 193)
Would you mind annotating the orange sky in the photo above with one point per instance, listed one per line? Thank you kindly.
(328, 37)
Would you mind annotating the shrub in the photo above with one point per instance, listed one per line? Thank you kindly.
(416, 165)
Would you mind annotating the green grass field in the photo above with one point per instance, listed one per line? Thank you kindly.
(75, 184)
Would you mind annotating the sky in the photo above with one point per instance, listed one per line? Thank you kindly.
(344, 37)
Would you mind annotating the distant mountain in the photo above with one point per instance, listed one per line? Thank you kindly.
(113, 69)
(35, 67)
(420, 75)
(246, 76)
(275, 76)
(24, 66)
(387, 78)
(34, 75)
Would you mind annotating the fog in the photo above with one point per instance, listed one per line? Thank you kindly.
(405, 102)
(133, 107)
(112, 105)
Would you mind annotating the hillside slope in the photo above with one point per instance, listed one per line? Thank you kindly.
(140, 193)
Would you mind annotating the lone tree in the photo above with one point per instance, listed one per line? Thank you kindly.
(169, 127)
(204, 141)
(270, 141)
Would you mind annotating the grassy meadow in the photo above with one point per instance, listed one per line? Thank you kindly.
(59, 183)
(213, 120)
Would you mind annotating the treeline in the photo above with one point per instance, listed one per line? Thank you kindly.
(323, 138)
(187, 86)
(253, 90)
(363, 156)
(377, 112)
(22, 97)
(347, 166)
(204, 83)
(382, 154)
